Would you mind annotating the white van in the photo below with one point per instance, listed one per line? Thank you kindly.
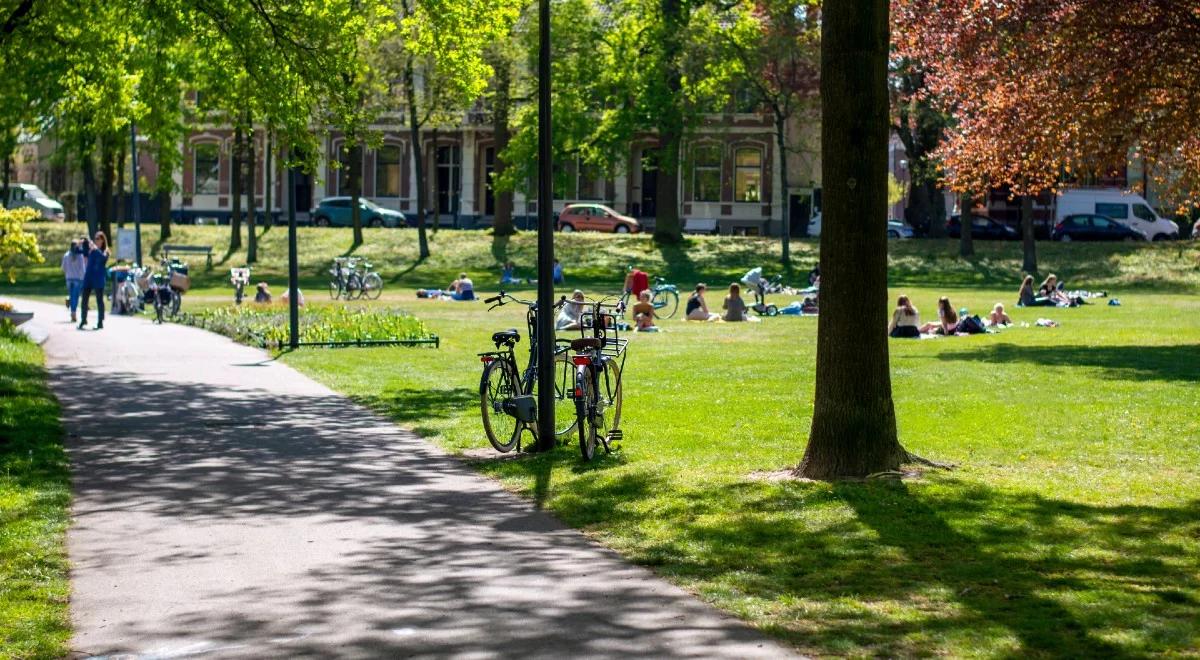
(1127, 208)
(27, 195)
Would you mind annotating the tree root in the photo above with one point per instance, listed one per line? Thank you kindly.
(910, 457)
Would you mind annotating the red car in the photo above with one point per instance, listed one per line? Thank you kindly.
(596, 217)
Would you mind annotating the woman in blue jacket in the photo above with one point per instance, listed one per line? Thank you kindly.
(94, 276)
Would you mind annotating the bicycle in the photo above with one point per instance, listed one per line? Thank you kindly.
(367, 282)
(508, 396)
(239, 278)
(169, 285)
(599, 364)
(664, 297)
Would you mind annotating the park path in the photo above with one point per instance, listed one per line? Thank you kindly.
(228, 506)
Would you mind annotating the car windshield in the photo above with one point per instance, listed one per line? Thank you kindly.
(35, 193)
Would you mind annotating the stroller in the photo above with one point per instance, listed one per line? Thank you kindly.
(760, 286)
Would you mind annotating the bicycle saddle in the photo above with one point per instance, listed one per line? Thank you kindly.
(586, 343)
(510, 337)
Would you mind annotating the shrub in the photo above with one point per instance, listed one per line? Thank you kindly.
(267, 326)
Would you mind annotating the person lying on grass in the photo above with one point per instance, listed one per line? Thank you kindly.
(697, 308)
(997, 317)
(643, 313)
(947, 321)
(906, 320)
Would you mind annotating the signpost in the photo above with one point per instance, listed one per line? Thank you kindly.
(545, 292)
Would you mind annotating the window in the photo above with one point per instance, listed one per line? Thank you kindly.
(387, 171)
(1101, 223)
(747, 178)
(591, 182)
(1118, 211)
(706, 173)
(207, 169)
(1143, 212)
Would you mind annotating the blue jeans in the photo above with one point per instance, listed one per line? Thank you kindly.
(74, 289)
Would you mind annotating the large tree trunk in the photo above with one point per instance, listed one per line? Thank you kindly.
(268, 180)
(414, 127)
(785, 205)
(966, 242)
(163, 185)
(235, 191)
(854, 421)
(667, 227)
(107, 157)
(119, 202)
(91, 208)
(502, 221)
(354, 174)
(251, 207)
(1028, 245)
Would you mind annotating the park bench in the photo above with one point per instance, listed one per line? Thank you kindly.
(700, 226)
(206, 250)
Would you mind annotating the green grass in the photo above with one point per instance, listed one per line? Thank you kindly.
(1070, 529)
(34, 498)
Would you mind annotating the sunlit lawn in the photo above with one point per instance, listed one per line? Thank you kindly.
(1070, 528)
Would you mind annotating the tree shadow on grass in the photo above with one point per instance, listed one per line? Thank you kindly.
(500, 247)
(1179, 362)
(885, 569)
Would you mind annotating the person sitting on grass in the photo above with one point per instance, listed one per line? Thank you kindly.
(998, 317)
(1052, 290)
(557, 273)
(697, 308)
(643, 313)
(462, 288)
(947, 321)
(1026, 297)
(507, 275)
(734, 306)
(262, 294)
(571, 313)
(285, 298)
(906, 320)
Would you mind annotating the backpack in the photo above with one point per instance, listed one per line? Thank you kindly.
(971, 325)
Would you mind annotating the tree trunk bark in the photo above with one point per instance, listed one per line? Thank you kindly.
(91, 208)
(966, 241)
(414, 128)
(106, 188)
(854, 421)
(162, 188)
(235, 191)
(251, 207)
(667, 228)
(785, 205)
(119, 202)
(1028, 244)
(502, 220)
(268, 181)
(7, 179)
(354, 174)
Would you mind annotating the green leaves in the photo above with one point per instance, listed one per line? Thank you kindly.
(17, 247)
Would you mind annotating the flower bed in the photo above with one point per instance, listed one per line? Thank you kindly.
(267, 326)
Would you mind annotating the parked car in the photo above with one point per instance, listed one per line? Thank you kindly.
(897, 229)
(29, 196)
(336, 212)
(1090, 227)
(595, 217)
(1129, 209)
(814, 226)
(982, 228)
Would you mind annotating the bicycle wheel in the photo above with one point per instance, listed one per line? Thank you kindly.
(666, 303)
(611, 394)
(176, 301)
(499, 384)
(585, 416)
(354, 288)
(335, 289)
(372, 286)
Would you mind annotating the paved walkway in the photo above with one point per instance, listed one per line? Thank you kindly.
(227, 506)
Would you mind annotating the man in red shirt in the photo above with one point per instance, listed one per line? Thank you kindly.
(636, 282)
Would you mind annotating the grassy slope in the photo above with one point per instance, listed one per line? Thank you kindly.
(34, 496)
(1072, 527)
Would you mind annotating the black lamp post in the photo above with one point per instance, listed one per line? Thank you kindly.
(545, 297)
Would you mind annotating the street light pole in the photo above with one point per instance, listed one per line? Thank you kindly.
(545, 297)
(293, 268)
(137, 201)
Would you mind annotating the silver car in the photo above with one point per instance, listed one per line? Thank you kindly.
(29, 196)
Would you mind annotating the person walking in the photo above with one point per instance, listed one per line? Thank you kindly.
(95, 273)
(73, 267)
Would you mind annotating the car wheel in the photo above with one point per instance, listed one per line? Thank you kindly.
(893, 234)
(1065, 238)
(1160, 237)
(321, 221)
(622, 229)
(376, 222)
(567, 228)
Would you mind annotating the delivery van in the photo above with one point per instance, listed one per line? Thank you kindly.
(1127, 208)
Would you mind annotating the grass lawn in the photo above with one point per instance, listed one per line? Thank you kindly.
(1071, 527)
(34, 496)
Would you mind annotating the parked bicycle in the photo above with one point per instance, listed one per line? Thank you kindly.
(127, 294)
(239, 278)
(166, 288)
(663, 295)
(351, 278)
(599, 362)
(508, 396)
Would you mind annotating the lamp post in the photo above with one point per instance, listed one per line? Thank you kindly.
(293, 268)
(545, 293)
(137, 201)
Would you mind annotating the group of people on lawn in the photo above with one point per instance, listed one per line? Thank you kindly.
(906, 320)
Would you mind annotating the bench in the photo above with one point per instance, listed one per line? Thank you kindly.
(206, 250)
(700, 226)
